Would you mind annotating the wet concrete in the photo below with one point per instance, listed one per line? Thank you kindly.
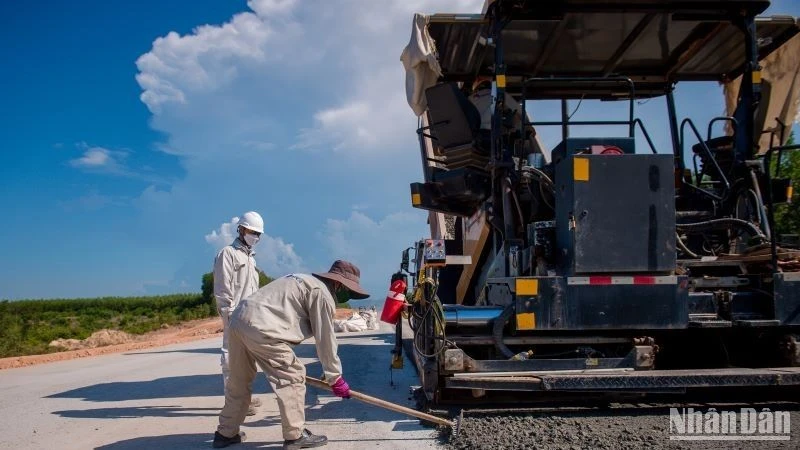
(619, 426)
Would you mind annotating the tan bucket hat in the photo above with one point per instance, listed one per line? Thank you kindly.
(347, 274)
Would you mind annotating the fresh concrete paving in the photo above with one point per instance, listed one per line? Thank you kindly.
(170, 397)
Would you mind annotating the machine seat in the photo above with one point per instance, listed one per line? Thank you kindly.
(455, 128)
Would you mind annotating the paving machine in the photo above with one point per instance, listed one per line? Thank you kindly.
(607, 263)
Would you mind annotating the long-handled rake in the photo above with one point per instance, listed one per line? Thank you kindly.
(456, 425)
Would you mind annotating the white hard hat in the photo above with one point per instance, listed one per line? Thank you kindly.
(252, 221)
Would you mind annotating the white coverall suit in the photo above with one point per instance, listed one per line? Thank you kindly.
(235, 277)
(264, 329)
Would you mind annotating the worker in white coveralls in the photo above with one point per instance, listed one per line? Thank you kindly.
(265, 327)
(236, 277)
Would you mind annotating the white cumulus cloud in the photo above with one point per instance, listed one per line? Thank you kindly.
(345, 55)
(266, 8)
(273, 256)
(298, 107)
(101, 160)
(373, 245)
(98, 158)
(224, 235)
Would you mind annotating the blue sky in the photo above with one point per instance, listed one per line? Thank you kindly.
(133, 134)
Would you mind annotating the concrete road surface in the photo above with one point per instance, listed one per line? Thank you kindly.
(170, 398)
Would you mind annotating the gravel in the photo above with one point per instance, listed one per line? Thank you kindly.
(619, 426)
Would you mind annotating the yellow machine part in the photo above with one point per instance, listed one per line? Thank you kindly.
(397, 361)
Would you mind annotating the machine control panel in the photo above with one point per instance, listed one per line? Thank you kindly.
(434, 254)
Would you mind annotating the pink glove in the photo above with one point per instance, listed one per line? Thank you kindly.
(341, 388)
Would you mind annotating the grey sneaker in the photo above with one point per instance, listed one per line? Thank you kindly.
(222, 441)
(306, 440)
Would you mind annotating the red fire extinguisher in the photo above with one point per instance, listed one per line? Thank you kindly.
(395, 300)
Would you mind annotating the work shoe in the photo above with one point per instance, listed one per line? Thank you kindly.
(222, 441)
(306, 440)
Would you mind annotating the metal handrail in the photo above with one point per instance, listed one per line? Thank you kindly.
(582, 122)
(725, 118)
(608, 80)
(705, 148)
(704, 192)
(646, 135)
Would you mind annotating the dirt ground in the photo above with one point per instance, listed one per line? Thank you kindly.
(110, 341)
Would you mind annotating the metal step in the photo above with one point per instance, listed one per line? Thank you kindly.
(710, 323)
(756, 323)
(630, 381)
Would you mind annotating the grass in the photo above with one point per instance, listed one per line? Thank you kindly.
(28, 326)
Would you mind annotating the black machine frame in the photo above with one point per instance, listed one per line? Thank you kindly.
(562, 312)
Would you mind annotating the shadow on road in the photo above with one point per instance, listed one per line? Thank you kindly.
(195, 441)
(180, 442)
(366, 365)
(135, 412)
(363, 375)
(208, 350)
(360, 363)
(168, 387)
(348, 411)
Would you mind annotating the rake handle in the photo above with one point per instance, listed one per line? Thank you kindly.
(382, 403)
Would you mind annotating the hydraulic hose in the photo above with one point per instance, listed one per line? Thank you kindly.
(543, 180)
(762, 210)
(497, 331)
(684, 248)
(508, 230)
(722, 223)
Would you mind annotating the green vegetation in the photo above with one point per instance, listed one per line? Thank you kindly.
(207, 286)
(263, 279)
(28, 326)
(787, 216)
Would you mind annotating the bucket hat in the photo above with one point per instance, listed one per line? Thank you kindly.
(348, 274)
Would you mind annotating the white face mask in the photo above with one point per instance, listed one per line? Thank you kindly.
(251, 239)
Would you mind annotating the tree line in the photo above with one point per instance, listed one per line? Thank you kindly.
(28, 326)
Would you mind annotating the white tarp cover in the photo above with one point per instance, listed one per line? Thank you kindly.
(781, 70)
(420, 63)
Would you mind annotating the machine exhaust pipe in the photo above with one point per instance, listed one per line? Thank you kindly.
(470, 316)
